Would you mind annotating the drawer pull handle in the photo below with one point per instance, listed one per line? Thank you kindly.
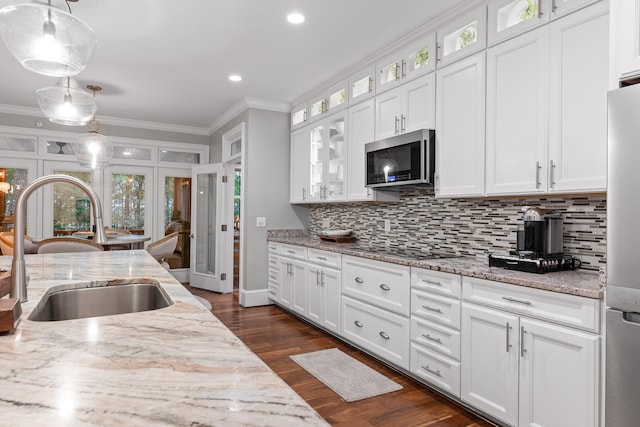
(273, 277)
(358, 324)
(431, 282)
(272, 262)
(426, 368)
(384, 335)
(437, 310)
(322, 258)
(519, 301)
(292, 252)
(385, 287)
(359, 280)
(522, 349)
(430, 338)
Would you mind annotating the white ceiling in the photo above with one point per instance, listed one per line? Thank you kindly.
(169, 61)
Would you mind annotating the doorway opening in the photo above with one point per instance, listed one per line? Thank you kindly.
(237, 186)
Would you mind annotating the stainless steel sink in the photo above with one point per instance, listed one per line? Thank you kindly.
(116, 297)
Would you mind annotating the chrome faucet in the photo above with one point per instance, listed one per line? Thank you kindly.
(18, 272)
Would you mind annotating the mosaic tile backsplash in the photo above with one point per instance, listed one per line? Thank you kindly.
(471, 227)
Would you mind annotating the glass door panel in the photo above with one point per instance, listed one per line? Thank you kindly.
(337, 98)
(317, 161)
(15, 174)
(177, 218)
(207, 250)
(335, 178)
(71, 206)
(128, 202)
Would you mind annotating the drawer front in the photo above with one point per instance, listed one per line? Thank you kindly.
(274, 292)
(291, 251)
(274, 275)
(570, 310)
(442, 310)
(438, 370)
(446, 284)
(435, 337)
(379, 331)
(274, 247)
(324, 258)
(273, 261)
(382, 284)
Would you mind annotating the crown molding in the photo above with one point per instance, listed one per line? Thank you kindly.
(243, 104)
(114, 121)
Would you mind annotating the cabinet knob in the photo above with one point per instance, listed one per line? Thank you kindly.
(358, 324)
(384, 335)
(385, 287)
(359, 280)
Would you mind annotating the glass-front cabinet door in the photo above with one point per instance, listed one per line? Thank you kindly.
(362, 85)
(562, 7)
(327, 159)
(420, 57)
(508, 18)
(299, 116)
(462, 37)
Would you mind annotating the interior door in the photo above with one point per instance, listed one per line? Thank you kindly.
(207, 244)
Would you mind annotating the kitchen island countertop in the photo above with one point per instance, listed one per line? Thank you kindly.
(579, 282)
(174, 366)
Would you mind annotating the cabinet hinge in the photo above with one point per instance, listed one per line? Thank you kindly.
(223, 276)
(224, 178)
(223, 227)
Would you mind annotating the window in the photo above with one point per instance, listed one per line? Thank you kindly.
(71, 206)
(11, 181)
(177, 218)
(128, 202)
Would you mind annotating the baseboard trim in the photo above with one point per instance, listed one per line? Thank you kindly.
(254, 298)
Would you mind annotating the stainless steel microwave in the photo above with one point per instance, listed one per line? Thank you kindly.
(407, 159)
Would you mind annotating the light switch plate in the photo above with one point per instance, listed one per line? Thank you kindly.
(326, 223)
(387, 225)
(261, 221)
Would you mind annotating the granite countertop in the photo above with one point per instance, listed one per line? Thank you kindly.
(584, 283)
(176, 366)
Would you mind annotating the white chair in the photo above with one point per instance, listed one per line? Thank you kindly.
(67, 244)
(162, 248)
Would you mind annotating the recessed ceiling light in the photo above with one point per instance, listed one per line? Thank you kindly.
(127, 153)
(235, 78)
(295, 18)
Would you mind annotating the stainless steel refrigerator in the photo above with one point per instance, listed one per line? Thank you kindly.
(622, 401)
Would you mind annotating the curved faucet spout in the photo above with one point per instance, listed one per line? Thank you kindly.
(18, 272)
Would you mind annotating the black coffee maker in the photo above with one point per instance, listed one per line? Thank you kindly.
(540, 234)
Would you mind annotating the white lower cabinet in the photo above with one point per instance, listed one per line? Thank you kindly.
(293, 277)
(323, 296)
(528, 372)
(377, 330)
(436, 369)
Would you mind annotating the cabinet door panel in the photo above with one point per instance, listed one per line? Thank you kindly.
(299, 287)
(626, 37)
(314, 294)
(578, 112)
(490, 361)
(336, 154)
(563, 7)
(508, 18)
(460, 124)
(559, 376)
(420, 103)
(299, 165)
(285, 283)
(388, 107)
(516, 115)
(331, 281)
(361, 132)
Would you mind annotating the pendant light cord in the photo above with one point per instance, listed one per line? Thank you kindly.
(68, 5)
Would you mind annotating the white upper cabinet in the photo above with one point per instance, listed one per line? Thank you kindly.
(327, 158)
(362, 85)
(406, 108)
(516, 115)
(416, 59)
(462, 37)
(460, 128)
(562, 7)
(329, 101)
(299, 172)
(299, 116)
(578, 108)
(625, 42)
(507, 18)
(361, 120)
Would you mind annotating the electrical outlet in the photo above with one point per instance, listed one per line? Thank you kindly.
(387, 225)
(261, 221)
(326, 223)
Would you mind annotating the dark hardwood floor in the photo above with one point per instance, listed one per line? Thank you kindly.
(274, 335)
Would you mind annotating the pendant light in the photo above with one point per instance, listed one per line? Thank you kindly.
(45, 38)
(93, 149)
(67, 103)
